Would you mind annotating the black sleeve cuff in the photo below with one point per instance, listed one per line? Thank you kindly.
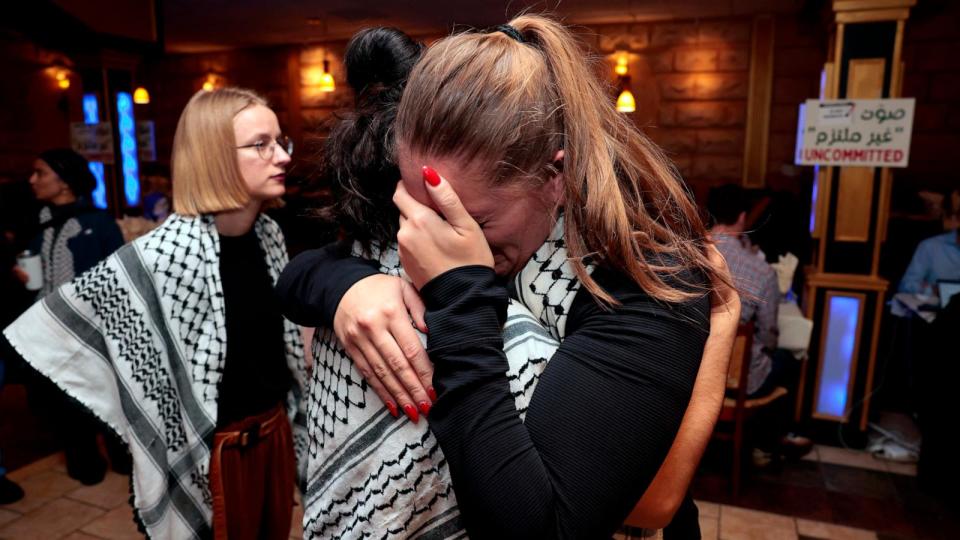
(313, 283)
(465, 305)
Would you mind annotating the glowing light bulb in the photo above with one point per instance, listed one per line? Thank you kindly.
(326, 79)
(141, 96)
(63, 78)
(621, 67)
(626, 103)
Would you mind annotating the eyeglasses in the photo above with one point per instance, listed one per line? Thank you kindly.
(266, 149)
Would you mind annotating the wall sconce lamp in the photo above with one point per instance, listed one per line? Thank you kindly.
(141, 96)
(621, 67)
(63, 78)
(326, 83)
(209, 85)
(212, 82)
(625, 101)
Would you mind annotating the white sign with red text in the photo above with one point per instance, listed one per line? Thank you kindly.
(93, 141)
(855, 132)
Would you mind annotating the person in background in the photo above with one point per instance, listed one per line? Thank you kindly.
(951, 210)
(938, 257)
(156, 192)
(10, 492)
(74, 236)
(756, 281)
(15, 201)
(177, 342)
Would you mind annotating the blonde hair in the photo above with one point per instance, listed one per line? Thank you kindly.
(488, 98)
(204, 168)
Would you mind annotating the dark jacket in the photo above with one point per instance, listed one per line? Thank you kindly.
(87, 234)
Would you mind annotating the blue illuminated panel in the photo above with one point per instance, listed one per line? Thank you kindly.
(91, 110)
(816, 168)
(128, 149)
(91, 115)
(813, 198)
(99, 193)
(801, 127)
(841, 338)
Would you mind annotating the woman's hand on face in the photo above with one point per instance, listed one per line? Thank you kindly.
(432, 243)
(372, 323)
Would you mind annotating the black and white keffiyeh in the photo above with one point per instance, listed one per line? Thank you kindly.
(55, 249)
(372, 475)
(140, 340)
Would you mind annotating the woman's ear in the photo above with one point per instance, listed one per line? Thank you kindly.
(555, 192)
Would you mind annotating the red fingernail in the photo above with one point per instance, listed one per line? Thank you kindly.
(424, 407)
(411, 413)
(431, 176)
(432, 393)
(392, 407)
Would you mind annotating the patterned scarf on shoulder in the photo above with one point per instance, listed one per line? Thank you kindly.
(140, 340)
(372, 475)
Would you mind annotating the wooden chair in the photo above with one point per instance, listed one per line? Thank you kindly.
(737, 408)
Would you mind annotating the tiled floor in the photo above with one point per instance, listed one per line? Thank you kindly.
(58, 507)
(725, 522)
(859, 459)
(835, 492)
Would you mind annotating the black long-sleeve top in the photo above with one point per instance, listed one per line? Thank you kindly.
(600, 423)
(255, 374)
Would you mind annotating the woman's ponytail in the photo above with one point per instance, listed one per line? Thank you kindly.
(357, 159)
(626, 202)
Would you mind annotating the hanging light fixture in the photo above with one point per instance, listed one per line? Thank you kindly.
(326, 79)
(141, 96)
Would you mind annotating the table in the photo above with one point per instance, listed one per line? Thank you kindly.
(795, 329)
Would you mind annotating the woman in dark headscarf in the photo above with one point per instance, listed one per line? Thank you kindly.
(74, 236)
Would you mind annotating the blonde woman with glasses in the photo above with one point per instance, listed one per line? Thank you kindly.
(176, 341)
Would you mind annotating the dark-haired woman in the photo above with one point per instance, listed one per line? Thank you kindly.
(74, 236)
(613, 365)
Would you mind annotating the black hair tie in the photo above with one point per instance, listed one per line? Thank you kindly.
(510, 31)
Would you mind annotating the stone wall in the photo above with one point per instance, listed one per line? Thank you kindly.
(690, 81)
(173, 79)
(800, 52)
(35, 114)
(931, 55)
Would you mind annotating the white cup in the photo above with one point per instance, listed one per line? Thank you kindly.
(30, 263)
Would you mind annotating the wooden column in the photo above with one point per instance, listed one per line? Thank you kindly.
(758, 103)
(294, 125)
(844, 295)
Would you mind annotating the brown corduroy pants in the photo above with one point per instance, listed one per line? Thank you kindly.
(252, 472)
